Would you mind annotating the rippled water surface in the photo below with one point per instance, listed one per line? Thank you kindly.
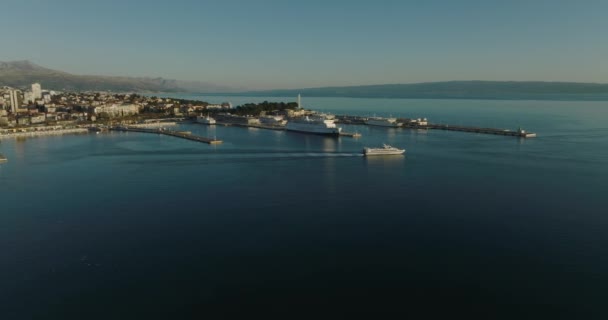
(127, 225)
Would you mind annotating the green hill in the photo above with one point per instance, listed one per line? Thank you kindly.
(24, 73)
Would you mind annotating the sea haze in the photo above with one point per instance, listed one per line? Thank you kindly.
(133, 225)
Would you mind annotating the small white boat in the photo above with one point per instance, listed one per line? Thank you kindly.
(385, 150)
(205, 120)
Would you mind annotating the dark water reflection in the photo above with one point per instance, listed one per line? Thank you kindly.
(277, 223)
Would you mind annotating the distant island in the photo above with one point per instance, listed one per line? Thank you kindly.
(534, 90)
(22, 73)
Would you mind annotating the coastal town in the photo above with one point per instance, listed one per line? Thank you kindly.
(34, 111)
(37, 109)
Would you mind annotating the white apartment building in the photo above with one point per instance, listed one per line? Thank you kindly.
(37, 91)
(15, 100)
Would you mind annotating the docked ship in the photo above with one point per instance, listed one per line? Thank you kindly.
(317, 125)
(205, 120)
(97, 129)
(385, 150)
(383, 122)
(273, 120)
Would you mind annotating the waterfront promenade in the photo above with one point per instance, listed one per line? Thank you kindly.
(58, 130)
(39, 133)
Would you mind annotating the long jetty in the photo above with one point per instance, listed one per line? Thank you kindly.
(417, 124)
(178, 134)
(501, 132)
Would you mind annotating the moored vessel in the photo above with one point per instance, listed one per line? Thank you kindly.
(97, 129)
(205, 120)
(317, 125)
(385, 150)
(272, 120)
(383, 122)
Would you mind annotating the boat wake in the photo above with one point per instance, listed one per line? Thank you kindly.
(282, 155)
(230, 156)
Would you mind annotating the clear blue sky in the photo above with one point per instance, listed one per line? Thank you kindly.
(290, 44)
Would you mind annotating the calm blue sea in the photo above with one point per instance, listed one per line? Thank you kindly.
(280, 224)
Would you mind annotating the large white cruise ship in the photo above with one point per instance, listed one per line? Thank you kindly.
(318, 125)
(383, 122)
(313, 124)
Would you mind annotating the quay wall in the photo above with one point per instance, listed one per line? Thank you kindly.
(42, 133)
(153, 124)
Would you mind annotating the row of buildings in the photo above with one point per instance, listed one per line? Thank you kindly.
(13, 100)
(35, 106)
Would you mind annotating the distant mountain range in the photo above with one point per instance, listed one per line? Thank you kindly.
(457, 90)
(24, 73)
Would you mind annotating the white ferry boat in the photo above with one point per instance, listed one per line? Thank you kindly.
(205, 120)
(385, 150)
(383, 122)
(317, 125)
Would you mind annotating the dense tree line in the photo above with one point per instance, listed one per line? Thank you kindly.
(268, 107)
